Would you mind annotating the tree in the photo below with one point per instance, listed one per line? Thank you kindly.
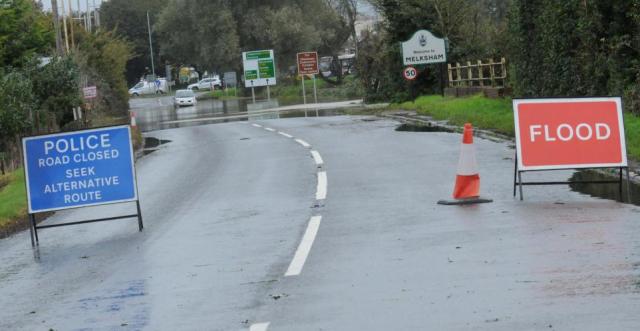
(190, 34)
(24, 31)
(129, 20)
(102, 58)
(55, 86)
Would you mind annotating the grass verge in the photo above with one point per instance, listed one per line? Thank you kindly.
(496, 115)
(13, 203)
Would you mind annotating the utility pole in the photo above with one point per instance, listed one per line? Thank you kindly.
(153, 69)
(64, 22)
(88, 16)
(56, 26)
(71, 24)
(95, 14)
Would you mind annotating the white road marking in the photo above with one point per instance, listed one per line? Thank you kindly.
(321, 191)
(303, 143)
(257, 125)
(317, 157)
(295, 268)
(285, 134)
(270, 129)
(259, 327)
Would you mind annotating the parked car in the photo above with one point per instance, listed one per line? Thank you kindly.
(206, 84)
(159, 86)
(184, 98)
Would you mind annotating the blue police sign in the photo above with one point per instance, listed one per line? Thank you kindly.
(78, 169)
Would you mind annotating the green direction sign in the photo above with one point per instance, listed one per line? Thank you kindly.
(259, 68)
(258, 55)
(251, 74)
(266, 68)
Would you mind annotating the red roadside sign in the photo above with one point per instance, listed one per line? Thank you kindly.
(308, 63)
(569, 133)
(90, 92)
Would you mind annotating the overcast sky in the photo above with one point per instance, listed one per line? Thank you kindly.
(74, 4)
(364, 6)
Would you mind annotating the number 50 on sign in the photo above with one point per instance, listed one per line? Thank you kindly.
(410, 73)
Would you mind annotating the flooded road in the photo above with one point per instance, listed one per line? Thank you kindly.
(159, 113)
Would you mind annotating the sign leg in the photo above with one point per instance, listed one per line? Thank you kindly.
(515, 175)
(268, 93)
(628, 186)
(620, 185)
(35, 228)
(520, 184)
(304, 91)
(33, 243)
(315, 94)
(140, 225)
(253, 94)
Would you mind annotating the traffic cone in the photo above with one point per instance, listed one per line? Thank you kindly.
(133, 120)
(467, 187)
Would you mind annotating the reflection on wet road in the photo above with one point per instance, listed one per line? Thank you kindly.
(159, 113)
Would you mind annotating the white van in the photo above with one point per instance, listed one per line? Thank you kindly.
(145, 87)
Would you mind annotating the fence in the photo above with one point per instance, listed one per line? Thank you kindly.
(491, 74)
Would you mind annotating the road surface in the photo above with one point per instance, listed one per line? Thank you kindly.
(328, 224)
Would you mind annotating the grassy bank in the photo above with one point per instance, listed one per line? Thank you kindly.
(496, 115)
(13, 198)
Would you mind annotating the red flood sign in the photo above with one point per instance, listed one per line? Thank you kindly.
(569, 133)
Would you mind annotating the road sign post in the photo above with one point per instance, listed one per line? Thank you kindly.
(569, 133)
(79, 169)
(259, 70)
(424, 48)
(308, 65)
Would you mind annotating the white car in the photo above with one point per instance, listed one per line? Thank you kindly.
(184, 98)
(206, 84)
(144, 87)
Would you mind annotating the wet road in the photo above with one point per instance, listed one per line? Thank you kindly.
(241, 230)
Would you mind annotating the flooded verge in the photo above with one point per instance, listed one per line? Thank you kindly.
(604, 191)
(422, 128)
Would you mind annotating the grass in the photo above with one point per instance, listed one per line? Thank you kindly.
(227, 94)
(13, 197)
(496, 115)
(485, 113)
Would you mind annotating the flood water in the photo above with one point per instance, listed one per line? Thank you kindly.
(604, 191)
(422, 128)
(159, 113)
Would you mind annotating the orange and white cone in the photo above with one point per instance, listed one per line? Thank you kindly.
(133, 120)
(467, 187)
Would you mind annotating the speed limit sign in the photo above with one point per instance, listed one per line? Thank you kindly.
(410, 73)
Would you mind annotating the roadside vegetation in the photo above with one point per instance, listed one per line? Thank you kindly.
(13, 197)
(496, 115)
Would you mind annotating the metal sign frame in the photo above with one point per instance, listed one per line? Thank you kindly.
(33, 226)
(520, 169)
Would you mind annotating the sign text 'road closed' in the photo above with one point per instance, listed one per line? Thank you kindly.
(569, 133)
(77, 169)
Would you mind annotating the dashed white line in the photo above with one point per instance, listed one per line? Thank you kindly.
(285, 134)
(295, 268)
(317, 158)
(303, 143)
(259, 327)
(270, 129)
(257, 125)
(321, 191)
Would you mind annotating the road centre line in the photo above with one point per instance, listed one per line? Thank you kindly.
(295, 268)
(317, 158)
(257, 125)
(321, 191)
(270, 129)
(259, 327)
(303, 143)
(285, 134)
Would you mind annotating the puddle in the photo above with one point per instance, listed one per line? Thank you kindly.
(151, 142)
(422, 128)
(604, 191)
